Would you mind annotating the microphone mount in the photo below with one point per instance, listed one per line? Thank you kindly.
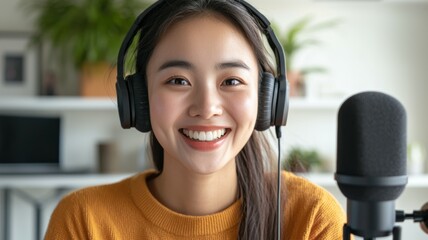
(347, 232)
(417, 216)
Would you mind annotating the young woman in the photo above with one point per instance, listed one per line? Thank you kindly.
(215, 175)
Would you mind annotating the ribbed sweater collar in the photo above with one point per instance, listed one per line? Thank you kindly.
(176, 223)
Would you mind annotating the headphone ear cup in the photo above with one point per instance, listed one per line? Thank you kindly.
(281, 98)
(141, 103)
(124, 103)
(266, 95)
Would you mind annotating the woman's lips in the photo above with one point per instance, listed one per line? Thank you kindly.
(204, 140)
(204, 136)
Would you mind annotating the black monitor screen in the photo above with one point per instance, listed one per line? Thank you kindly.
(29, 140)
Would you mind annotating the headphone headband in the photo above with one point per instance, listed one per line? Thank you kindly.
(129, 38)
(280, 63)
(271, 37)
(263, 21)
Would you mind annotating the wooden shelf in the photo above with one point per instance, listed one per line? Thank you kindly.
(107, 103)
(315, 104)
(57, 103)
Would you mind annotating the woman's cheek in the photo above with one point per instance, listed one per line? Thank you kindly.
(246, 108)
(162, 108)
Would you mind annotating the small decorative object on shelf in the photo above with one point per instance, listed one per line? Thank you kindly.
(19, 69)
(297, 37)
(86, 33)
(302, 160)
(415, 158)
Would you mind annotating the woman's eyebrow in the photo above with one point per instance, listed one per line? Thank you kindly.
(233, 64)
(176, 63)
(187, 65)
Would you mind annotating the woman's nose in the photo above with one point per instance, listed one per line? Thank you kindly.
(206, 103)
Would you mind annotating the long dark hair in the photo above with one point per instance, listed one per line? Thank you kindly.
(255, 166)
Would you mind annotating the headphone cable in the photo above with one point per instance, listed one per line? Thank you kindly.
(278, 196)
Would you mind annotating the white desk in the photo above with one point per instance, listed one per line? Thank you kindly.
(58, 180)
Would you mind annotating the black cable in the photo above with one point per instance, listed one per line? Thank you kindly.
(278, 197)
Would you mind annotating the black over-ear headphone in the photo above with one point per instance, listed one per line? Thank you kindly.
(132, 97)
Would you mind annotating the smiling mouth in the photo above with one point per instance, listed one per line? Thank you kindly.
(204, 136)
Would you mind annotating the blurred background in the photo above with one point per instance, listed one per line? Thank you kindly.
(57, 62)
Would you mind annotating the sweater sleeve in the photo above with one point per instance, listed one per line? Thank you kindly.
(329, 219)
(311, 212)
(68, 220)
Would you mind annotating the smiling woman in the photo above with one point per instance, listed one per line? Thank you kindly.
(200, 89)
(210, 57)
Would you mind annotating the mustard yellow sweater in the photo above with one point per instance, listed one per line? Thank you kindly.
(127, 210)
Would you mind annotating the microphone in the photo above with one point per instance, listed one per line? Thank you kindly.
(424, 223)
(371, 162)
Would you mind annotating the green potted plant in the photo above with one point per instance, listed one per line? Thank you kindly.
(86, 32)
(296, 38)
(302, 160)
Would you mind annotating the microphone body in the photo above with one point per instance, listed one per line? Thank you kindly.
(371, 161)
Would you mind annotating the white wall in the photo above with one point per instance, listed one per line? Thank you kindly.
(12, 18)
(378, 46)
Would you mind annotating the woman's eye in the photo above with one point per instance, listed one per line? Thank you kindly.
(178, 81)
(231, 82)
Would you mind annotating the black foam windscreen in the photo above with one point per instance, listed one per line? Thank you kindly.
(371, 146)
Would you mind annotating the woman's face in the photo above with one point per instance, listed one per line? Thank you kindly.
(202, 85)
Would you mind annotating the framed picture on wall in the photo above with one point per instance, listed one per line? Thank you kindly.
(19, 65)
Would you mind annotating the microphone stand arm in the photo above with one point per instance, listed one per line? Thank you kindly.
(417, 216)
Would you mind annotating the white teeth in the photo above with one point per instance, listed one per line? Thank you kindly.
(215, 135)
(209, 136)
(204, 136)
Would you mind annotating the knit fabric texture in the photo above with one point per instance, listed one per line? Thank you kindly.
(127, 210)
